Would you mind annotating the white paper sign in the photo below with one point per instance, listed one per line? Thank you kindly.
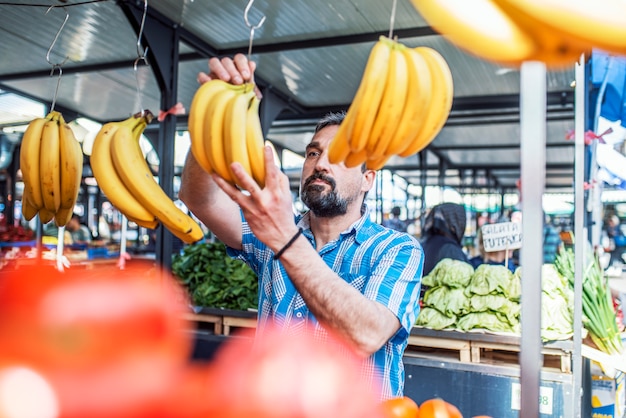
(502, 236)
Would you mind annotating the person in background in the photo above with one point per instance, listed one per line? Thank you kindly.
(80, 232)
(551, 241)
(394, 221)
(443, 228)
(491, 257)
(617, 238)
(330, 270)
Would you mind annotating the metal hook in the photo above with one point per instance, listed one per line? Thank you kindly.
(57, 65)
(141, 56)
(56, 90)
(251, 26)
(393, 18)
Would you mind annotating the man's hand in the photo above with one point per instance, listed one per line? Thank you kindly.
(236, 70)
(269, 211)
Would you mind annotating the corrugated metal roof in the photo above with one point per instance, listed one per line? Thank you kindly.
(311, 54)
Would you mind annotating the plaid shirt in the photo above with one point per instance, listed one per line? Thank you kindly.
(383, 264)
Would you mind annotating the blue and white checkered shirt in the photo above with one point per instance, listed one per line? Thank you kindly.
(383, 264)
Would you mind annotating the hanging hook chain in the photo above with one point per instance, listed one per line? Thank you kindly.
(141, 56)
(393, 18)
(57, 65)
(251, 26)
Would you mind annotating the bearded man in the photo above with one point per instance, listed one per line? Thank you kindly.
(330, 271)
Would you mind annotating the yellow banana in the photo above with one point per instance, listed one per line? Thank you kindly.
(146, 224)
(339, 147)
(134, 171)
(356, 158)
(369, 94)
(50, 164)
(63, 216)
(255, 142)
(593, 24)
(29, 210)
(579, 28)
(378, 163)
(441, 102)
(29, 160)
(110, 182)
(71, 170)
(214, 128)
(235, 144)
(45, 215)
(416, 107)
(197, 115)
(479, 27)
(392, 104)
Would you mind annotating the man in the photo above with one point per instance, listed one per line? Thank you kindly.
(332, 269)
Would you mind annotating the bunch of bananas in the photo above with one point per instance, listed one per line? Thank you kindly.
(556, 32)
(122, 173)
(51, 160)
(224, 127)
(402, 102)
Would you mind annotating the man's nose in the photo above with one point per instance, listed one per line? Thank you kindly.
(322, 162)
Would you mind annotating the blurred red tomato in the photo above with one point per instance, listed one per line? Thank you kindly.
(109, 339)
(26, 392)
(438, 408)
(189, 394)
(402, 407)
(287, 376)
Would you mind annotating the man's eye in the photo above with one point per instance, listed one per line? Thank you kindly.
(312, 154)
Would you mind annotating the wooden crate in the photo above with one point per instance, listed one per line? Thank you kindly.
(435, 347)
(499, 353)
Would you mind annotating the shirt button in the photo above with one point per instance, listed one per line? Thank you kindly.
(299, 315)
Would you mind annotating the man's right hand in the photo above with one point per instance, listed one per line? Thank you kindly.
(236, 70)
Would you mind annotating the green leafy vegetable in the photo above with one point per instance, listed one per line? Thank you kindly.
(450, 301)
(598, 313)
(452, 273)
(432, 318)
(214, 279)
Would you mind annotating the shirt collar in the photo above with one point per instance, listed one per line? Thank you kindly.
(358, 228)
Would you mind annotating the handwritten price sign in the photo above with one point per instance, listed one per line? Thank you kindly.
(502, 236)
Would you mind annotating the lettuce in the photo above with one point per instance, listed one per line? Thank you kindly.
(432, 318)
(449, 272)
(450, 301)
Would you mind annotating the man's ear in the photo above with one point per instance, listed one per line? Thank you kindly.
(368, 180)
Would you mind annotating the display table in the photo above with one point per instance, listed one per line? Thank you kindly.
(469, 347)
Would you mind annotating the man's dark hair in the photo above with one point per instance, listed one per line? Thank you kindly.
(332, 118)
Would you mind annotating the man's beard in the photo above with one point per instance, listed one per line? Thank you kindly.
(323, 205)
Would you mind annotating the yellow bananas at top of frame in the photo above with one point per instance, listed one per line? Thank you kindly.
(510, 32)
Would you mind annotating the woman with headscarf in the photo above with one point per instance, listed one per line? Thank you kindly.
(444, 228)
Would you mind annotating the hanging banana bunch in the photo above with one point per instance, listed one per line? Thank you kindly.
(224, 127)
(510, 32)
(122, 173)
(51, 160)
(401, 104)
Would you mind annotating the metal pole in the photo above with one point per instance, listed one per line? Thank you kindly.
(533, 167)
(579, 230)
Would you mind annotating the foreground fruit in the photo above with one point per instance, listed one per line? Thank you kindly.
(106, 342)
(438, 408)
(513, 31)
(403, 407)
(289, 376)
